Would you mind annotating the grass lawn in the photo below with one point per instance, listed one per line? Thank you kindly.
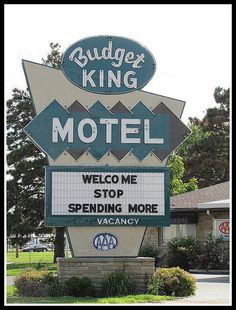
(12, 298)
(29, 259)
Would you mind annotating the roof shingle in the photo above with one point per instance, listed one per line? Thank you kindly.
(191, 199)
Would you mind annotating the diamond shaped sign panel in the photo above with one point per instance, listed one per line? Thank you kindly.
(99, 130)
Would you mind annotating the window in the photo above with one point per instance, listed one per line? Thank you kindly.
(178, 231)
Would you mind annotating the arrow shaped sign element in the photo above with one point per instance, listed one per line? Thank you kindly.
(98, 130)
(159, 118)
(39, 130)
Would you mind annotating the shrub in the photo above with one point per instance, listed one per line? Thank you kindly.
(79, 287)
(156, 287)
(150, 250)
(117, 283)
(182, 252)
(38, 283)
(30, 282)
(188, 253)
(40, 265)
(54, 287)
(172, 281)
(213, 255)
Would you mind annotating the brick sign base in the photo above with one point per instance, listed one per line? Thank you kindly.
(140, 269)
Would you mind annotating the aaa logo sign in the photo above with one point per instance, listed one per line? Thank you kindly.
(105, 242)
(224, 228)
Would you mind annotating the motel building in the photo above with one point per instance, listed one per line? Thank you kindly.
(197, 214)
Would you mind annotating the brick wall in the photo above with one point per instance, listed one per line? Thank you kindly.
(205, 223)
(140, 268)
(151, 236)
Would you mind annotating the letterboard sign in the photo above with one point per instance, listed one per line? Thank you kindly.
(77, 196)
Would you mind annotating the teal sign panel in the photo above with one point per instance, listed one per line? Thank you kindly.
(107, 196)
(108, 65)
(99, 130)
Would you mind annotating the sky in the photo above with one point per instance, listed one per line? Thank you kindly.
(191, 44)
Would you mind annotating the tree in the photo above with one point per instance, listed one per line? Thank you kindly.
(206, 156)
(197, 134)
(54, 57)
(25, 187)
(177, 185)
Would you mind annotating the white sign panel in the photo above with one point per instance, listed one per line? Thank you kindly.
(222, 227)
(108, 193)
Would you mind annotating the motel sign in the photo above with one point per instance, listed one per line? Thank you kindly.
(90, 110)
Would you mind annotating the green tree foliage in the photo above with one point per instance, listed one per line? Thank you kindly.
(206, 152)
(25, 186)
(177, 185)
(197, 134)
(54, 57)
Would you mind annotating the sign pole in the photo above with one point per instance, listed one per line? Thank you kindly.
(67, 247)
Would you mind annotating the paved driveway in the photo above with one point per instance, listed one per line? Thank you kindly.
(10, 280)
(211, 289)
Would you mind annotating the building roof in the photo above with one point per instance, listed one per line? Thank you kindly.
(214, 204)
(206, 194)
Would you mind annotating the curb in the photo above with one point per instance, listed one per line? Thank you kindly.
(203, 271)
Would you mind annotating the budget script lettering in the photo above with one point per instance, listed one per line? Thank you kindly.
(126, 130)
(118, 56)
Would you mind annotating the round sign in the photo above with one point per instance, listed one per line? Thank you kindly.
(108, 65)
(224, 228)
(105, 242)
